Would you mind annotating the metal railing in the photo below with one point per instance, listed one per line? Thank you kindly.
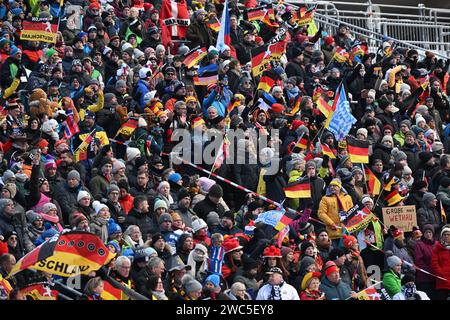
(375, 39)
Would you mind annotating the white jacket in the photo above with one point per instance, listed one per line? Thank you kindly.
(288, 292)
(401, 296)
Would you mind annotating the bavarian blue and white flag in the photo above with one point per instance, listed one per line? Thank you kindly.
(342, 119)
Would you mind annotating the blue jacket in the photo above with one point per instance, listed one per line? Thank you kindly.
(141, 90)
(340, 291)
(220, 104)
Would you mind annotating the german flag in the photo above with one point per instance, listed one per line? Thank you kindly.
(194, 56)
(298, 190)
(81, 152)
(207, 75)
(5, 285)
(233, 105)
(268, 80)
(388, 186)
(256, 14)
(284, 221)
(341, 55)
(39, 291)
(302, 142)
(326, 150)
(325, 105)
(263, 54)
(443, 215)
(112, 293)
(214, 24)
(393, 198)
(296, 107)
(68, 254)
(305, 16)
(373, 183)
(128, 128)
(318, 91)
(358, 150)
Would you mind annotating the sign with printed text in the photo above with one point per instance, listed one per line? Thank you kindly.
(404, 217)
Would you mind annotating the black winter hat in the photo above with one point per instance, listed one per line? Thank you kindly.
(335, 254)
(140, 162)
(408, 277)
(183, 193)
(296, 52)
(305, 245)
(228, 215)
(418, 185)
(254, 205)
(216, 191)
(249, 263)
(445, 182)
(105, 161)
(123, 184)
(425, 157)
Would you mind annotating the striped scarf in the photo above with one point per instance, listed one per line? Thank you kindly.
(275, 293)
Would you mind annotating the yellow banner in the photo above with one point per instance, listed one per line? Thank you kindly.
(33, 35)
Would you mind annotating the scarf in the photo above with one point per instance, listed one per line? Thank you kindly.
(409, 290)
(292, 93)
(160, 295)
(275, 293)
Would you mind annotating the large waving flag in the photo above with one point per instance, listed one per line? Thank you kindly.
(224, 33)
(341, 120)
(261, 56)
(128, 127)
(67, 254)
(268, 80)
(266, 101)
(325, 105)
(174, 20)
(373, 183)
(300, 189)
(358, 150)
(81, 152)
(271, 217)
(207, 75)
(194, 56)
(39, 291)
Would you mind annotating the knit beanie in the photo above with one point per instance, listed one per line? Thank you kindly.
(392, 260)
(74, 174)
(98, 206)
(190, 284)
(83, 194)
(165, 217)
(198, 224)
(132, 153)
(160, 204)
(12, 188)
(112, 187)
(47, 207)
(117, 165)
(77, 218)
(213, 219)
(216, 191)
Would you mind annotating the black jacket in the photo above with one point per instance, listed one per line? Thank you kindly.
(143, 221)
(204, 207)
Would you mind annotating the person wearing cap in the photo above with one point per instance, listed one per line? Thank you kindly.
(210, 203)
(428, 213)
(165, 228)
(332, 284)
(391, 278)
(100, 183)
(183, 207)
(66, 194)
(11, 68)
(198, 32)
(331, 208)
(310, 287)
(277, 288)
(397, 245)
(227, 225)
(35, 225)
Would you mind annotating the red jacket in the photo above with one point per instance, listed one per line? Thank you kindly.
(127, 203)
(422, 253)
(440, 263)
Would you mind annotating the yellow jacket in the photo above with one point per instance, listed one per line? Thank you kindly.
(94, 107)
(329, 212)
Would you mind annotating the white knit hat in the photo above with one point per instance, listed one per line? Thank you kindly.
(98, 206)
(132, 153)
(420, 119)
(198, 224)
(83, 194)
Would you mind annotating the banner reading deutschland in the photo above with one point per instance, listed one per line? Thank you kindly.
(45, 31)
(68, 254)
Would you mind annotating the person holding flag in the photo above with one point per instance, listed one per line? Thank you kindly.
(333, 210)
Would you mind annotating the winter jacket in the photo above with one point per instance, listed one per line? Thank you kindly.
(428, 216)
(200, 35)
(384, 153)
(423, 253)
(333, 291)
(392, 283)
(142, 220)
(288, 292)
(329, 212)
(440, 263)
(204, 207)
(99, 227)
(98, 186)
(401, 252)
(67, 198)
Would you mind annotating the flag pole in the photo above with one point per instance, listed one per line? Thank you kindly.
(364, 175)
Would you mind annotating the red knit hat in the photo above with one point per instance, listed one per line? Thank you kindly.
(147, 6)
(328, 41)
(272, 252)
(296, 124)
(231, 244)
(330, 267)
(77, 217)
(277, 108)
(349, 241)
(94, 5)
(397, 233)
(42, 144)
